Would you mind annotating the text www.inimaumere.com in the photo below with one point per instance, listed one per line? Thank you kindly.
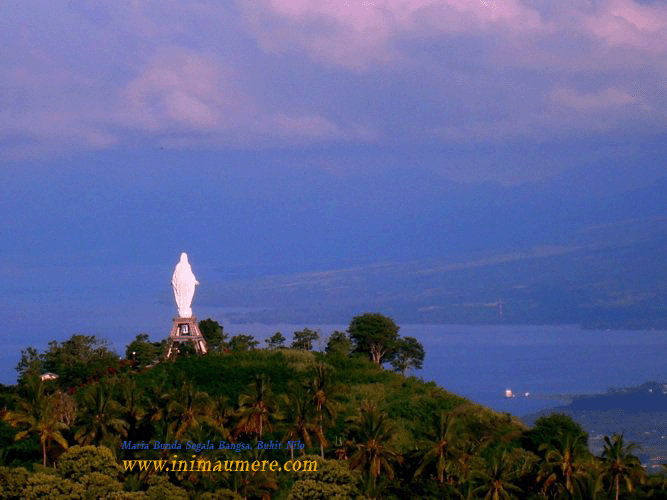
(200, 465)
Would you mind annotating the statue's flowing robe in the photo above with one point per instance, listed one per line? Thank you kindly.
(183, 282)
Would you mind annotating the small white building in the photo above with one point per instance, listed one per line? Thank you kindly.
(48, 376)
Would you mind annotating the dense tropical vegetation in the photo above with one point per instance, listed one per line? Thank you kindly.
(375, 433)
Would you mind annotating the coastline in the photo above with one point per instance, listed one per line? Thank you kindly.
(639, 412)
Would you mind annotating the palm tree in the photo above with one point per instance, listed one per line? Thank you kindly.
(298, 418)
(221, 413)
(372, 453)
(133, 405)
(440, 448)
(157, 400)
(495, 478)
(561, 467)
(467, 453)
(589, 483)
(100, 420)
(45, 415)
(464, 491)
(656, 484)
(49, 429)
(620, 465)
(326, 408)
(187, 408)
(256, 484)
(255, 408)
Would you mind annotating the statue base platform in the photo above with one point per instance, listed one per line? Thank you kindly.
(186, 330)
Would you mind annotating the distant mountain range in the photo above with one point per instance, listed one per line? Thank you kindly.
(514, 256)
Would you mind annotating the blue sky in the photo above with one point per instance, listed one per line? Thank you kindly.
(290, 136)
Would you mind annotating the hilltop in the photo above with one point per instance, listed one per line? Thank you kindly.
(371, 432)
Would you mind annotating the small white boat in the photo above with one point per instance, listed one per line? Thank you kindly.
(509, 393)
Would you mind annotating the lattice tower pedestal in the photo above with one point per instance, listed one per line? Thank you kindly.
(186, 330)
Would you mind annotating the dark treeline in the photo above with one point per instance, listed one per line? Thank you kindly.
(374, 432)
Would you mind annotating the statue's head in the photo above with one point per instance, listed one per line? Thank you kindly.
(184, 258)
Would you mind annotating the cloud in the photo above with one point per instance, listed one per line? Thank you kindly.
(185, 91)
(627, 23)
(358, 34)
(181, 88)
(295, 72)
(566, 114)
(604, 99)
(314, 126)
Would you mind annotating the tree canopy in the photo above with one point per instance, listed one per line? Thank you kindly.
(214, 334)
(409, 354)
(79, 358)
(243, 342)
(303, 339)
(375, 335)
(276, 341)
(339, 343)
(143, 352)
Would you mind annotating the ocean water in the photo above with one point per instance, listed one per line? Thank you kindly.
(548, 362)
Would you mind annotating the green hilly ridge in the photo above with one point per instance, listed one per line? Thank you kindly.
(372, 434)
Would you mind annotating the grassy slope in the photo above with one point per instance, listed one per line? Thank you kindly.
(408, 401)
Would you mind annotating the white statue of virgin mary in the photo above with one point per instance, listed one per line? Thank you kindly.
(183, 282)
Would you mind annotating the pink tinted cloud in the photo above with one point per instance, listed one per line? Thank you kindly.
(312, 127)
(356, 34)
(603, 99)
(43, 104)
(186, 90)
(182, 88)
(55, 130)
(365, 14)
(625, 22)
(565, 113)
(178, 80)
(299, 127)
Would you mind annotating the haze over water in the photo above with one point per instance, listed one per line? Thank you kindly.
(546, 361)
